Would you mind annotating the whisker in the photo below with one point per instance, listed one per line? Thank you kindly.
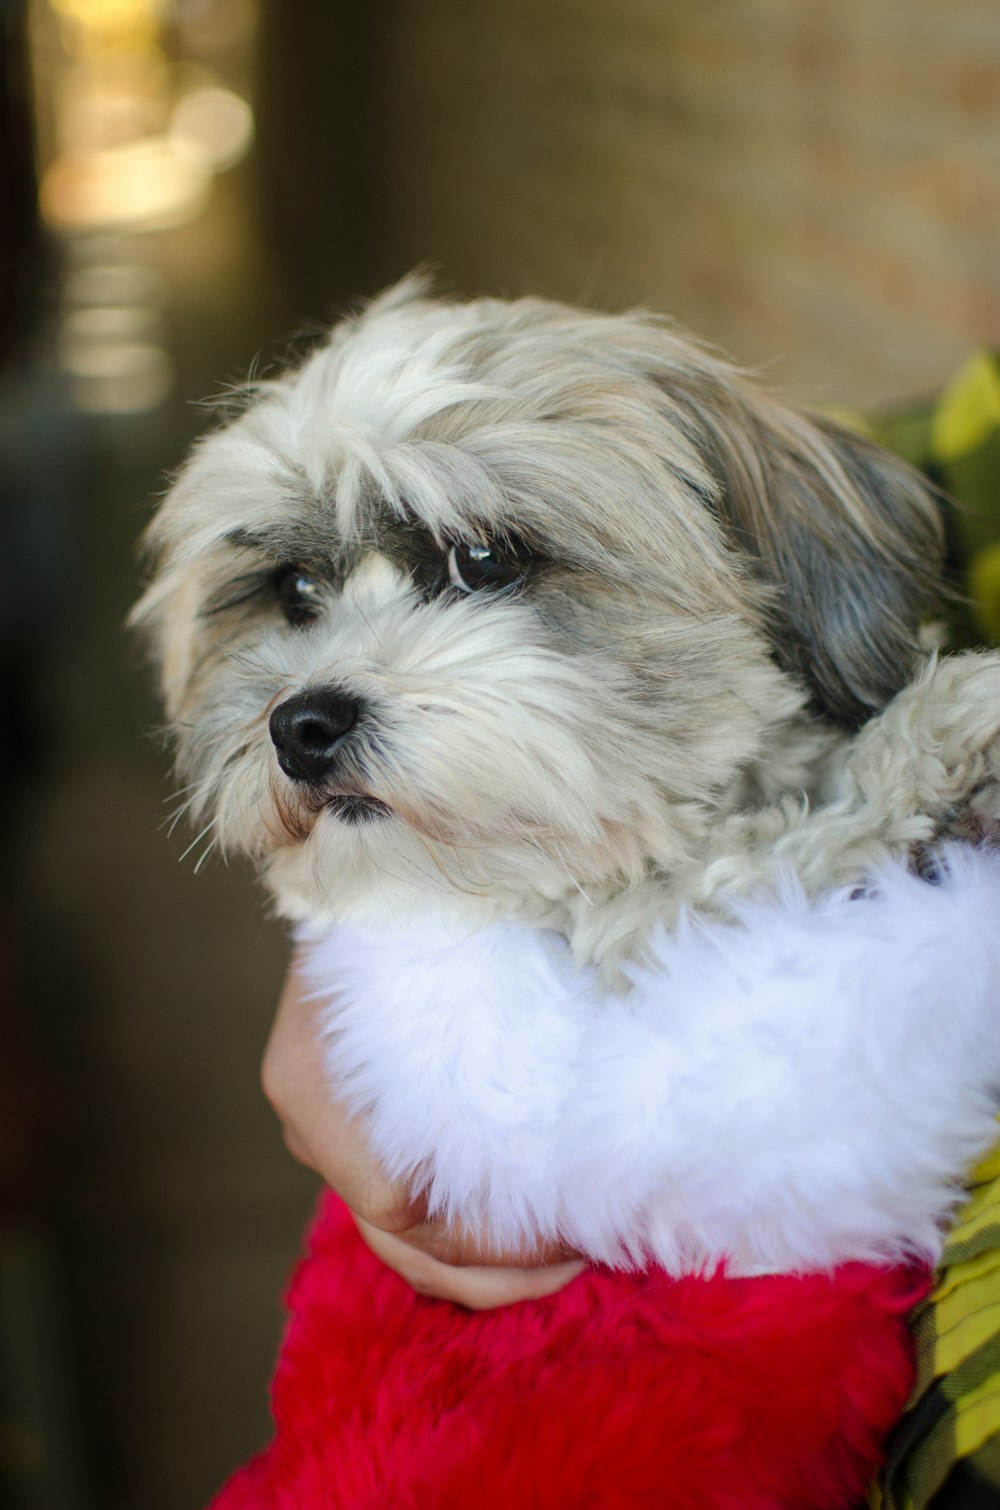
(198, 838)
(181, 790)
(209, 848)
(368, 625)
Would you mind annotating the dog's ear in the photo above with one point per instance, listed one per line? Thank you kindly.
(168, 618)
(848, 538)
(169, 614)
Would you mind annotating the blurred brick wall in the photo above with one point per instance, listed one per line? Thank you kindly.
(813, 185)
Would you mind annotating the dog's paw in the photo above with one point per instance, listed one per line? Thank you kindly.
(935, 750)
(976, 821)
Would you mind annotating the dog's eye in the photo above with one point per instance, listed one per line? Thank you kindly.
(298, 594)
(474, 568)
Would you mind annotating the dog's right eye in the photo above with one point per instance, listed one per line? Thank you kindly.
(298, 594)
(473, 568)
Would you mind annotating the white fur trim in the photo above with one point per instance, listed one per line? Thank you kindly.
(801, 1086)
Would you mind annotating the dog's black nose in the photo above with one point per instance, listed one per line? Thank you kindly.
(307, 729)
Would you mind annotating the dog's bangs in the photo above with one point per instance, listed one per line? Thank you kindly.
(439, 486)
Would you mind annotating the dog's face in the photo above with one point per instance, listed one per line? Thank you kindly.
(504, 599)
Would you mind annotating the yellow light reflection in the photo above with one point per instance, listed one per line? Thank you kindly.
(115, 376)
(106, 282)
(145, 185)
(214, 126)
(109, 18)
(127, 394)
(136, 125)
(111, 322)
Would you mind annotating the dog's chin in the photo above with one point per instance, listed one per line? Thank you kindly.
(362, 860)
(357, 810)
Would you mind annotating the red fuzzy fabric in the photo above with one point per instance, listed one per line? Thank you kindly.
(621, 1391)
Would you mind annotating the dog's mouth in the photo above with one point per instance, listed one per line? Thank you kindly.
(354, 809)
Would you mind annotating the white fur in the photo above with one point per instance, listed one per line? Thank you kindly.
(801, 1086)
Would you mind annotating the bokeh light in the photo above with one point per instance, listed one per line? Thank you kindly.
(138, 126)
(213, 127)
(145, 186)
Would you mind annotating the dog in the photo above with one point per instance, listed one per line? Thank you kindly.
(504, 613)
(514, 610)
(528, 651)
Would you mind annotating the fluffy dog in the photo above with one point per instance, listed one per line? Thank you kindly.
(513, 610)
(499, 613)
(506, 638)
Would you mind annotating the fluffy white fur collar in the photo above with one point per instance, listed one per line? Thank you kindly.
(805, 1084)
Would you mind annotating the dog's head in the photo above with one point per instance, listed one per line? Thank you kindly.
(503, 597)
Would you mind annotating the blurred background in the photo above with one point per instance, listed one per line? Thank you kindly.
(185, 186)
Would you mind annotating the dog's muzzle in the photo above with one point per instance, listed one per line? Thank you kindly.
(307, 731)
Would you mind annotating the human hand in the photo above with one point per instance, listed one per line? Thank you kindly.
(321, 1133)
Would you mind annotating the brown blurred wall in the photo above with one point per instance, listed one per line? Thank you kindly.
(814, 185)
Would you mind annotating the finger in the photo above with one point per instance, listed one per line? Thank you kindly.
(296, 1147)
(450, 1244)
(318, 1129)
(477, 1287)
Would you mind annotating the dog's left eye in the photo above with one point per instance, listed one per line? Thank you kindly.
(474, 568)
(298, 594)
